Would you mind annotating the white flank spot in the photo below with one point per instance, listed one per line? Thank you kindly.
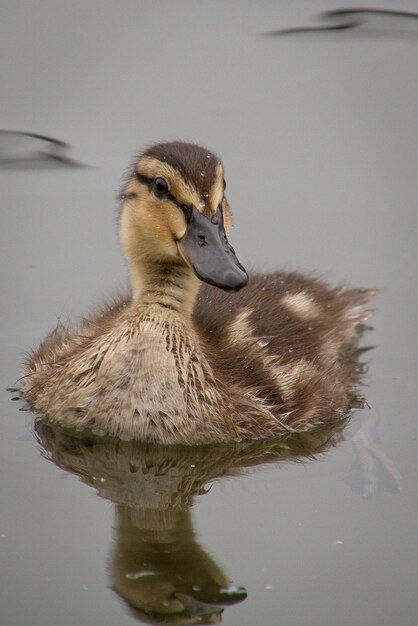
(301, 304)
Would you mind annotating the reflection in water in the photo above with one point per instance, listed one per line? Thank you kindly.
(160, 569)
(371, 20)
(373, 468)
(21, 151)
(157, 566)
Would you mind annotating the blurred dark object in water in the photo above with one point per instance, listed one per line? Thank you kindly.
(372, 469)
(29, 151)
(383, 21)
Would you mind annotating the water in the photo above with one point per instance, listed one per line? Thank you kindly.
(318, 135)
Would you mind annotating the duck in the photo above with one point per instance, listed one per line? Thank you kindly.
(199, 351)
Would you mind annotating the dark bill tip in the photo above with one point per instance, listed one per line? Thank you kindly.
(232, 278)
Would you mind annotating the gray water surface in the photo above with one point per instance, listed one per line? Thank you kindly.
(318, 133)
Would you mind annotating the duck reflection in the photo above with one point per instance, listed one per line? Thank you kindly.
(157, 566)
(160, 569)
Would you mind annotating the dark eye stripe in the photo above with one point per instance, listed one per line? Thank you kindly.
(144, 179)
(149, 182)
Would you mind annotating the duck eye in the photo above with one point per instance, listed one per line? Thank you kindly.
(160, 186)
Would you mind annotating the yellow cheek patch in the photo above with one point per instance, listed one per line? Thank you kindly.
(216, 193)
(227, 216)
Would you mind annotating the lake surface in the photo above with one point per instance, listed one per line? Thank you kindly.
(318, 133)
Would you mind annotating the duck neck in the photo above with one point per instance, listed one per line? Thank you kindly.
(164, 283)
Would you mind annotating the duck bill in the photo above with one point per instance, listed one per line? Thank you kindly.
(206, 249)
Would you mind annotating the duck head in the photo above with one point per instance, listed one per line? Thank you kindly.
(174, 212)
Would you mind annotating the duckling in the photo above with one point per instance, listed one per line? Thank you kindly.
(189, 356)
